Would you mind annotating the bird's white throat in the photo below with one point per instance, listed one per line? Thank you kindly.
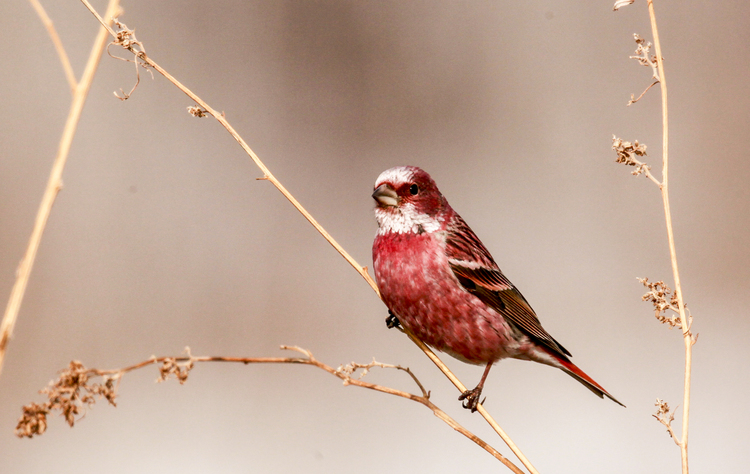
(405, 219)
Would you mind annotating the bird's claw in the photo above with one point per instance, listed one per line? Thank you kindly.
(471, 399)
(392, 321)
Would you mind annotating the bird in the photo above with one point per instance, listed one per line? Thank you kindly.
(440, 282)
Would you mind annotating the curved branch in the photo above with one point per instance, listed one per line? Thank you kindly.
(74, 390)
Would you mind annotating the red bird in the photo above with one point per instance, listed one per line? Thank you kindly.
(442, 284)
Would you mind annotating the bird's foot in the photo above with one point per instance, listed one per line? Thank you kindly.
(392, 321)
(471, 398)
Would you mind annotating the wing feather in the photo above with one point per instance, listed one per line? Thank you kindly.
(478, 273)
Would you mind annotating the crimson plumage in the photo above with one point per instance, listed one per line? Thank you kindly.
(443, 285)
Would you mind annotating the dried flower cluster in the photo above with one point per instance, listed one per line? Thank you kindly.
(626, 153)
(180, 371)
(665, 415)
(663, 299)
(658, 293)
(125, 37)
(70, 394)
(643, 56)
(663, 411)
(74, 391)
(196, 111)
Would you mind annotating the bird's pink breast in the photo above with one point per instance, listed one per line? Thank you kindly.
(417, 284)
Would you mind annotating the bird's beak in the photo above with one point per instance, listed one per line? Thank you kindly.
(386, 196)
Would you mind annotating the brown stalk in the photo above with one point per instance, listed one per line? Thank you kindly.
(203, 108)
(54, 184)
(658, 291)
(684, 320)
(179, 367)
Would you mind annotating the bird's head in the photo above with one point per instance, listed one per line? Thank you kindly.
(408, 201)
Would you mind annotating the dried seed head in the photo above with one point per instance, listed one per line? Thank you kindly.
(33, 421)
(170, 366)
(70, 395)
(626, 153)
(663, 299)
(196, 111)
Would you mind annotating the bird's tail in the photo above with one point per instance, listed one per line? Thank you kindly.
(578, 374)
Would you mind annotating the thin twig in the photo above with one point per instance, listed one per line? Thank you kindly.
(633, 100)
(642, 55)
(69, 74)
(54, 184)
(73, 391)
(687, 337)
(353, 367)
(665, 416)
(267, 175)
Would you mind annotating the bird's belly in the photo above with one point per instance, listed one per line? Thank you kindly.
(417, 284)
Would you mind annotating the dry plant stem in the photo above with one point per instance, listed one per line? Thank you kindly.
(686, 334)
(53, 187)
(348, 380)
(69, 74)
(267, 175)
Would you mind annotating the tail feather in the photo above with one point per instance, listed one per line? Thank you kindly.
(578, 374)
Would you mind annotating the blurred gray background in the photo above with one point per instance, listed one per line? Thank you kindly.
(163, 238)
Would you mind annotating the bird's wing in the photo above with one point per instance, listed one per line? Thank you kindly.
(479, 275)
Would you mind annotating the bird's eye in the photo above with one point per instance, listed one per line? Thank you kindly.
(414, 189)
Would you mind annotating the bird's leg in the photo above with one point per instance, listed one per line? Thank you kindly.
(392, 321)
(471, 397)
